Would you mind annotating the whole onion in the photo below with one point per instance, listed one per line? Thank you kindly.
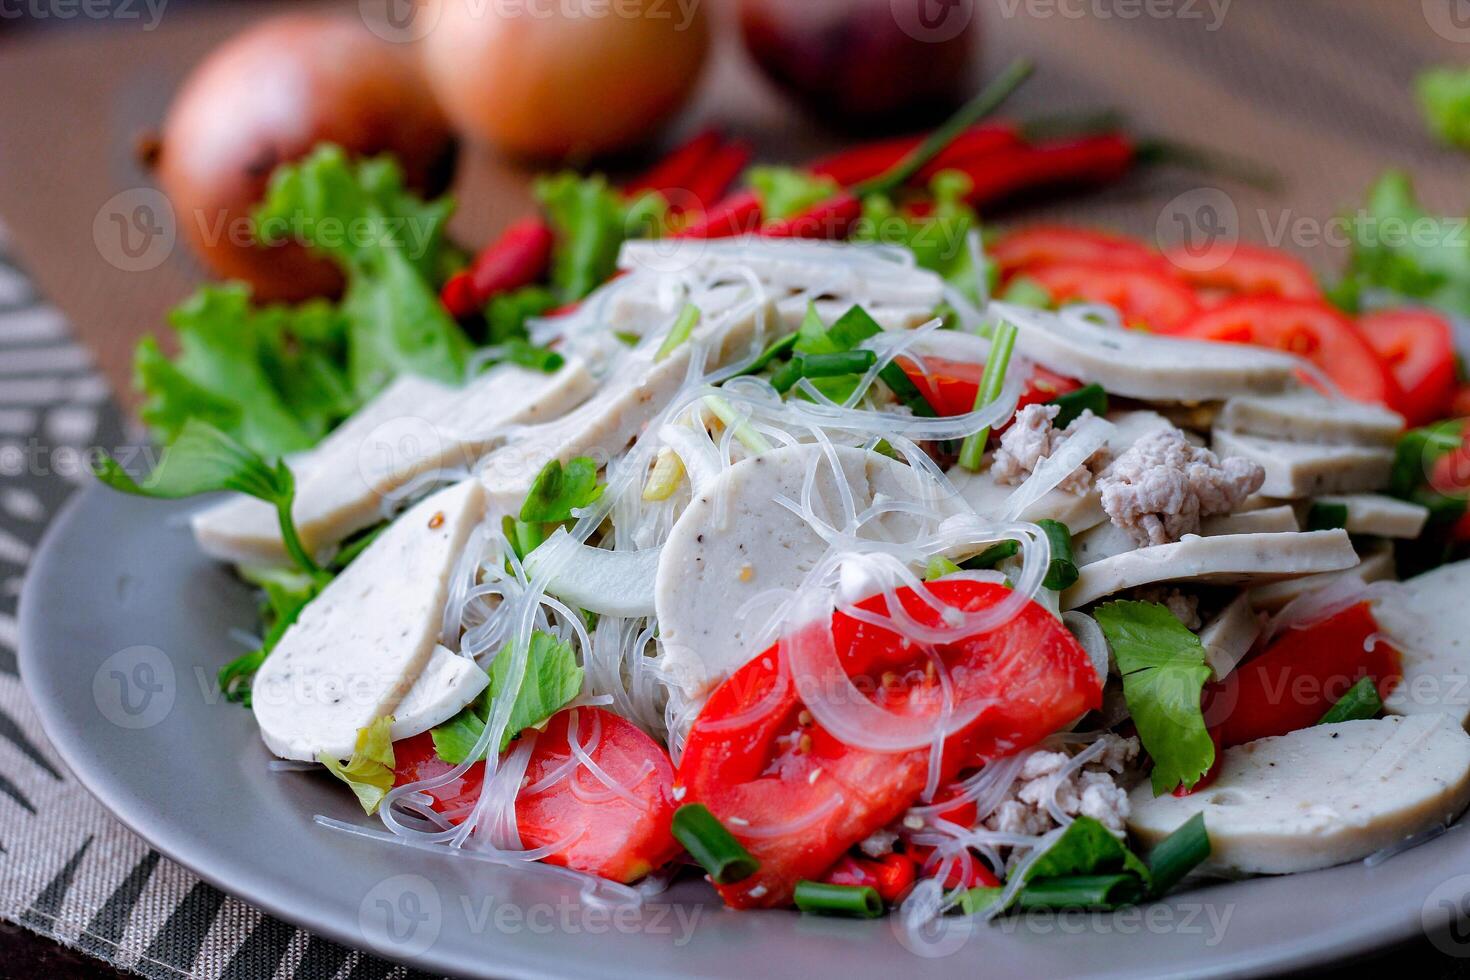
(563, 78)
(268, 96)
(858, 63)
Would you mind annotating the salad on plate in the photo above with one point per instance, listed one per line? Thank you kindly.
(807, 537)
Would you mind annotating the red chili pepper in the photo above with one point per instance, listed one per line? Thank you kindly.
(1090, 161)
(832, 220)
(679, 167)
(716, 175)
(738, 214)
(868, 161)
(519, 257)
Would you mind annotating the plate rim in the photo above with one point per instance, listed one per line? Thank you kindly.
(1302, 952)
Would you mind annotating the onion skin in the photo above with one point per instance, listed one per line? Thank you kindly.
(537, 83)
(852, 64)
(267, 97)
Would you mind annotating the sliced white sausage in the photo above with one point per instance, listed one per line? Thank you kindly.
(1305, 416)
(1320, 796)
(360, 646)
(448, 683)
(1229, 636)
(1144, 365)
(1375, 566)
(640, 386)
(414, 427)
(1384, 517)
(1264, 519)
(1427, 618)
(1230, 559)
(734, 542)
(1296, 470)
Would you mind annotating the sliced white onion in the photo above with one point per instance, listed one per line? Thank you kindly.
(610, 583)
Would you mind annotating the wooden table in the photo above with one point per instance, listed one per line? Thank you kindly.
(1321, 90)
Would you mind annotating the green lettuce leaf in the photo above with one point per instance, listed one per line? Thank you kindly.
(370, 770)
(1400, 248)
(938, 238)
(591, 221)
(1444, 98)
(551, 679)
(785, 192)
(1164, 670)
(389, 244)
(558, 490)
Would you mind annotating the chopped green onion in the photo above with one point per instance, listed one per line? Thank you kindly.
(627, 337)
(1062, 571)
(1025, 291)
(972, 452)
(714, 847)
(787, 375)
(938, 567)
(527, 354)
(777, 348)
(679, 332)
(1178, 854)
(1325, 516)
(1074, 403)
(992, 556)
(898, 381)
(1359, 703)
(836, 365)
(1081, 892)
(820, 898)
(744, 431)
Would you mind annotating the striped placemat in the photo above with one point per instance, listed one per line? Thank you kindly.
(67, 869)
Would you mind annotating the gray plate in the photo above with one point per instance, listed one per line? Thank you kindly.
(120, 604)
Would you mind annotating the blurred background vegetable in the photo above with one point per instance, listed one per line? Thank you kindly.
(553, 82)
(269, 96)
(863, 63)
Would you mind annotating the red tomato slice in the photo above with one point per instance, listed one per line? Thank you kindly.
(1027, 249)
(1460, 405)
(891, 877)
(1309, 329)
(612, 836)
(1419, 348)
(968, 872)
(799, 797)
(951, 386)
(1249, 270)
(1293, 683)
(1146, 297)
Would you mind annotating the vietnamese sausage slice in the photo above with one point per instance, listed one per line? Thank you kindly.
(1321, 796)
(1229, 636)
(1375, 566)
(1295, 470)
(638, 388)
(413, 428)
(1305, 416)
(359, 647)
(1144, 365)
(1229, 559)
(1384, 517)
(1427, 618)
(735, 541)
(447, 684)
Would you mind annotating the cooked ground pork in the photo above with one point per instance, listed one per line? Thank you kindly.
(1090, 791)
(1032, 438)
(1159, 489)
(1184, 606)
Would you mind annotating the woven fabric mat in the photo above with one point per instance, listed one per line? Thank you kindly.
(68, 870)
